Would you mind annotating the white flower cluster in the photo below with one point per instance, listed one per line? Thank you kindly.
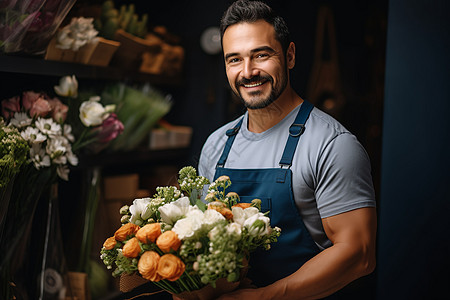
(78, 33)
(50, 143)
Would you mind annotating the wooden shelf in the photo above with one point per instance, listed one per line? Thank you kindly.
(122, 162)
(39, 66)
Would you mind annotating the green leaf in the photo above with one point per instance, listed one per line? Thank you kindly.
(200, 205)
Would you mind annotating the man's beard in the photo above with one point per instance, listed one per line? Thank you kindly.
(263, 102)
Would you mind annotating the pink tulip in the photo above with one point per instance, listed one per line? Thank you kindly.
(10, 106)
(109, 129)
(58, 110)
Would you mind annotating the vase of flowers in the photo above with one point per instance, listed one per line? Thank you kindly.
(192, 246)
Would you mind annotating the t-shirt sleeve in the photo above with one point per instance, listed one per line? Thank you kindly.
(344, 180)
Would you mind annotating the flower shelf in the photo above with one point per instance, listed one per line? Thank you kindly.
(96, 54)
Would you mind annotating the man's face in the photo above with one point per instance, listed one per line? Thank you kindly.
(255, 63)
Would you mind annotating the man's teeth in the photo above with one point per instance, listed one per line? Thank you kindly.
(252, 85)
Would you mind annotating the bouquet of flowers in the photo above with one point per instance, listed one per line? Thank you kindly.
(38, 146)
(185, 244)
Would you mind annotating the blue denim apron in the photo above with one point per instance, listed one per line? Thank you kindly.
(273, 186)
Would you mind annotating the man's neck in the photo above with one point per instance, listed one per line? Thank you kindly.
(260, 120)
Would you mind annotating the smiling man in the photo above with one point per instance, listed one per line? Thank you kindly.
(311, 171)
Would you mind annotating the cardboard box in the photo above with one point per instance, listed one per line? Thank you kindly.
(123, 187)
(171, 137)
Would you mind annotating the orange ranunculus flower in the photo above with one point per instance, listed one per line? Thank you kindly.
(243, 205)
(149, 233)
(220, 207)
(168, 240)
(170, 267)
(125, 230)
(148, 266)
(227, 213)
(110, 243)
(131, 248)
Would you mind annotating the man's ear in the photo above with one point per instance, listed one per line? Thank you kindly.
(290, 55)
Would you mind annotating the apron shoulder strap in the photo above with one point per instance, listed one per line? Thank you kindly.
(231, 133)
(295, 131)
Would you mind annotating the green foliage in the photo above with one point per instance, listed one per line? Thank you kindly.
(13, 153)
(138, 109)
(125, 18)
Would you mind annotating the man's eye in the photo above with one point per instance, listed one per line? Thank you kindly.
(233, 60)
(262, 55)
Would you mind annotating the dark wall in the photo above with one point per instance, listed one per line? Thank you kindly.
(413, 260)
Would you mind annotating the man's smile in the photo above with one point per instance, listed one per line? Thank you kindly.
(253, 84)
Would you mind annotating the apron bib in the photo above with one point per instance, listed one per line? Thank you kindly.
(273, 186)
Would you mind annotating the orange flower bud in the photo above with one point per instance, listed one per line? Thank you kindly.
(168, 240)
(243, 205)
(148, 266)
(170, 267)
(110, 243)
(126, 230)
(149, 233)
(131, 248)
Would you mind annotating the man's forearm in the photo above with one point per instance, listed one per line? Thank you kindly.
(326, 273)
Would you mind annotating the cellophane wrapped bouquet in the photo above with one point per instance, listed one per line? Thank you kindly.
(184, 242)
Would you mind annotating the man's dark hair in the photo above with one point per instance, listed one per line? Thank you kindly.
(247, 11)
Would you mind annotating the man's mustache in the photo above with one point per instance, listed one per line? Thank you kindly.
(252, 80)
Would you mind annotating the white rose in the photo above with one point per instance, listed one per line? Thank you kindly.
(188, 227)
(240, 214)
(212, 216)
(171, 212)
(140, 210)
(92, 113)
(258, 224)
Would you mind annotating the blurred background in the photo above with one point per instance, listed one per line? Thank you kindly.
(379, 67)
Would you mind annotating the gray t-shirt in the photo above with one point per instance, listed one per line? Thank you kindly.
(331, 170)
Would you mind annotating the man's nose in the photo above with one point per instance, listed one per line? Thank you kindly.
(249, 69)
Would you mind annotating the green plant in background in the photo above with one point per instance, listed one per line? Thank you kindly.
(138, 109)
(13, 153)
(125, 18)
